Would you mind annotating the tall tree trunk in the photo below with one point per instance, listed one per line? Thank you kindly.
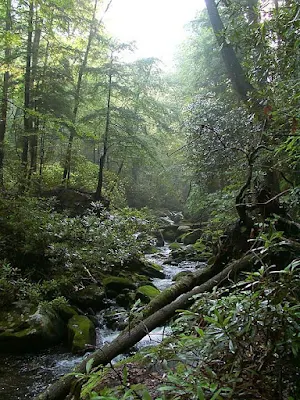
(7, 52)
(28, 123)
(67, 167)
(232, 64)
(39, 87)
(33, 142)
(102, 159)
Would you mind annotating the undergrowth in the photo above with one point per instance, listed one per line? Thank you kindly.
(239, 342)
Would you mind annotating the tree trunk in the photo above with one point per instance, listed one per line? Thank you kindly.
(28, 123)
(232, 64)
(4, 102)
(60, 389)
(33, 142)
(102, 159)
(67, 167)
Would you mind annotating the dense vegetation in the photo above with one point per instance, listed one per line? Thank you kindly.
(86, 137)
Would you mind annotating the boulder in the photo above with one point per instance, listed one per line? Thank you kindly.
(170, 233)
(81, 334)
(145, 267)
(27, 331)
(183, 229)
(118, 283)
(115, 318)
(147, 293)
(159, 239)
(175, 246)
(192, 237)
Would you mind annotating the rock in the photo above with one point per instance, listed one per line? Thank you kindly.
(118, 283)
(159, 239)
(170, 233)
(74, 201)
(90, 296)
(115, 318)
(81, 334)
(125, 299)
(153, 271)
(177, 217)
(147, 293)
(183, 229)
(175, 246)
(145, 267)
(31, 331)
(192, 237)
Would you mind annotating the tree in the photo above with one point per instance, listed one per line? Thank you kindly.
(4, 101)
(233, 66)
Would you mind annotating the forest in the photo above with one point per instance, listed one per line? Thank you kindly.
(135, 199)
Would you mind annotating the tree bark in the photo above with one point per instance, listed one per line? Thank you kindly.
(28, 124)
(232, 64)
(33, 142)
(4, 102)
(102, 159)
(60, 389)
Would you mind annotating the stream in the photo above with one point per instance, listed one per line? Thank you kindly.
(24, 376)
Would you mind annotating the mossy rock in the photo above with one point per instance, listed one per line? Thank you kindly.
(153, 270)
(144, 267)
(170, 233)
(115, 318)
(175, 246)
(183, 229)
(32, 332)
(147, 293)
(117, 283)
(192, 237)
(81, 334)
(91, 296)
(125, 300)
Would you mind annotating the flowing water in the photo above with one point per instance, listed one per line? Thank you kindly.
(24, 376)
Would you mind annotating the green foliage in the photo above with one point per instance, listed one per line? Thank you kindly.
(47, 252)
(226, 341)
(216, 208)
(51, 177)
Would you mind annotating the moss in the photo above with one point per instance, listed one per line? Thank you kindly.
(153, 270)
(192, 237)
(147, 293)
(117, 283)
(81, 334)
(156, 266)
(66, 312)
(20, 334)
(181, 274)
(175, 246)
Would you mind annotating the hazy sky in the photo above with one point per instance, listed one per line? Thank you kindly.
(157, 26)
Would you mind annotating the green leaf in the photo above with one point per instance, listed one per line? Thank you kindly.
(89, 365)
(200, 393)
(146, 395)
(125, 375)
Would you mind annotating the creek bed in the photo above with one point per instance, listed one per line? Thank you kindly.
(24, 376)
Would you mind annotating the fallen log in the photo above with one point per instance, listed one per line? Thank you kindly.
(60, 389)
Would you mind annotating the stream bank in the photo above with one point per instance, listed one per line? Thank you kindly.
(24, 376)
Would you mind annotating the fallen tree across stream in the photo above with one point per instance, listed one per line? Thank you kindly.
(60, 389)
